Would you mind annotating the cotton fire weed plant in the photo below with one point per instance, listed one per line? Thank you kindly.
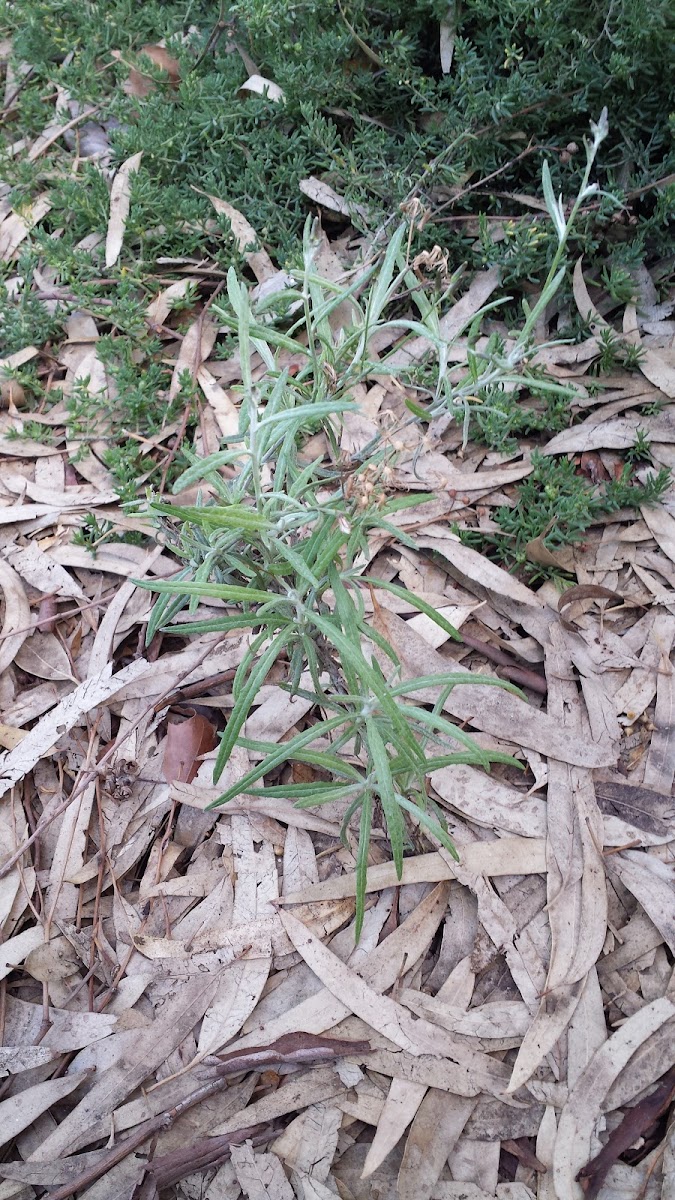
(281, 540)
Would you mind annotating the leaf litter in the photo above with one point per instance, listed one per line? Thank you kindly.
(184, 1004)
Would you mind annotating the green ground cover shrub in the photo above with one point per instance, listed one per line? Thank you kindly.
(367, 108)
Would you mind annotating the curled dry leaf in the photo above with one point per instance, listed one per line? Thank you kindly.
(587, 591)
(259, 86)
(139, 84)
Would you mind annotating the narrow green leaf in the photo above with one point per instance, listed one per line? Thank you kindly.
(244, 701)
(297, 563)
(223, 624)
(454, 678)
(230, 516)
(417, 410)
(362, 862)
(428, 823)
(421, 605)
(220, 591)
(285, 752)
(385, 784)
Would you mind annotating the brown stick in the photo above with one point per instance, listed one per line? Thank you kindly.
(169, 1169)
(293, 1048)
(633, 1125)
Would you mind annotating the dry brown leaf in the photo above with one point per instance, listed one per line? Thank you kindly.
(490, 802)
(639, 807)
(454, 321)
(617, 434)
(434, 471)
(68, 857)
(436, 1128)
(380, 967)
(662, 527)
(120, 201)
(45, 657)
(660, 766)
(245, 237)
(475, 569)
(90, 1119)
(16, 227)
(298, 1091)
(447, 40)
(573, 1141)
(196, 346)
(12, 361)
(657, 370)
(256, 888)
(326, 196)
(140, 85)
(576, 595)
(186, 741)
(16, 764)
(474, 1072)
(200, 795)
(158, 310)
(402, 1103)
(522, 856)
(16, 621)
(577, 894)
(537, 551)
(488, 709)
(652, 883)
(309, 1143)
(261, 1175)
(14, 1059)
(17, 883)
(54, 959)
(224, 408)
(41, 571)
(587, 309)
(68, 1031)
(15, 1117)
(15, 949)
